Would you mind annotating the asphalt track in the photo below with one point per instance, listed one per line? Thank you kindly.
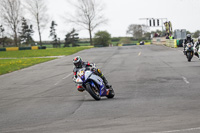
(157, 91)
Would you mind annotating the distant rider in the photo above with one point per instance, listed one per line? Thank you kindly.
(78, 64)
(187, 40)
(196, 47)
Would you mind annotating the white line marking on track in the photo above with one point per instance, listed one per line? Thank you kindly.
(63, 78)
(185, 79)
(139, 53)
(180, 51)
(176, 131)
(68, 75)
(56, 83)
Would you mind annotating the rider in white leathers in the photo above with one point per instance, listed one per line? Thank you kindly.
(196, 47)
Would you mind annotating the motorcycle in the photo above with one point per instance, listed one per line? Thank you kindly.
(189, 52)
(93, 84)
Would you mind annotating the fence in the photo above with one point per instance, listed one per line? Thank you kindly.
(22, 48)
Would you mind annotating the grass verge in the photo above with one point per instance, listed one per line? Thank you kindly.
(23, 60)
(41, 52)
(10, 65)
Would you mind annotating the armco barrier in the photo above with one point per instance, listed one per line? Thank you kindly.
(129, 44)
(148, 43)
(34, 47)
(22, 48)
(98, 46)
(43, 47)
(2, 49)
(12, 49)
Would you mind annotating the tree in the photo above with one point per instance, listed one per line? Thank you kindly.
(147, 36)
(54, 35)
(26, 32)
(2, 31)
(196, 34)
(188, 32)
(102, 38)
(137, 30)
(89, 15)
(71, 38)
(11, 14)
(38, 10)
(2, 38)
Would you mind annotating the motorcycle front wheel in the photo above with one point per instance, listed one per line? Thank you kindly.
(93, 91)
(189, 56)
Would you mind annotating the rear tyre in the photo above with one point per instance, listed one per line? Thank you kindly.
(93, 91)
(111, 93)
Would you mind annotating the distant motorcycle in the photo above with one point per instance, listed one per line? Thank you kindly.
(189, 52)
(93, 84)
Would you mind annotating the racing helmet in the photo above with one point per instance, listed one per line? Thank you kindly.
(77, 61)
(188, 36)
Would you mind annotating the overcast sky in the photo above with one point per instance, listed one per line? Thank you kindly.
(184, 14)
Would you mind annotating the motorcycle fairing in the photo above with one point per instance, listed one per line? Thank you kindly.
(99, 81)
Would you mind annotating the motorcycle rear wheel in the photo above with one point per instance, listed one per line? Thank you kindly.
(93, 91)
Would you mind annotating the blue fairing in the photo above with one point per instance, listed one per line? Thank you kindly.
(101, 87)
(92, 83)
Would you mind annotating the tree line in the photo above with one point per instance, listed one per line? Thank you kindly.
(14, 24)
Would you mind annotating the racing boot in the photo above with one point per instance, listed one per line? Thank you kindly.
(106, 82)
(80, 88)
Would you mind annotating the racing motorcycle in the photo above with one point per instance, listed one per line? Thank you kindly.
(189, 52)
(93, 84)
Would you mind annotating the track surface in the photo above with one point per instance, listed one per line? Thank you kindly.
(157, 91)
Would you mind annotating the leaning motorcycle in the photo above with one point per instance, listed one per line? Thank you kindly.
(189, 52)
(93, 84)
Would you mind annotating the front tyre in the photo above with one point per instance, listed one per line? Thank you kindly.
(93, 91)
(189, 56)
(111, 93)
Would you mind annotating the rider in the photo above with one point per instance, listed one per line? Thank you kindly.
(196, 45)
(78, 64)
(187, 40)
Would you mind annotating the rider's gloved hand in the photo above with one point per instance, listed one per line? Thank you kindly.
(74, 79)
(93, 69)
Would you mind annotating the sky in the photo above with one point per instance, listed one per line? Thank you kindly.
(184, 14)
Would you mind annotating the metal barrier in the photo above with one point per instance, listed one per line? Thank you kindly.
(22, 48)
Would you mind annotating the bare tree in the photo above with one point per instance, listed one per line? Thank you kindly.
(38, 10)
(89, 15)
(137, 30)
(11, 14)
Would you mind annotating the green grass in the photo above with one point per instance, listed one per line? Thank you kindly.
(10, 65)
(23, 60)
(41, 52)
